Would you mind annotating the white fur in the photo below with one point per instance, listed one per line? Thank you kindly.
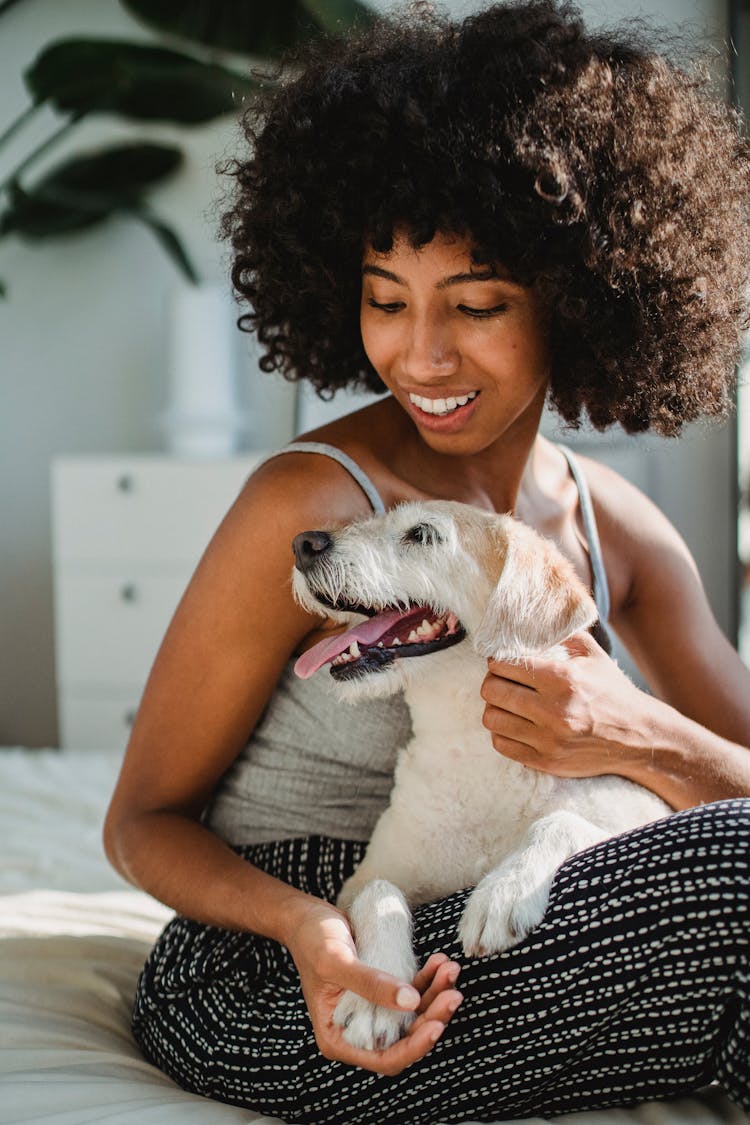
(461, 814)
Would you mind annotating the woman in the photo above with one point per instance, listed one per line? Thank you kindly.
(475, 217)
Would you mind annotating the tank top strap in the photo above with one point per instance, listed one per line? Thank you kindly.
(343, 459)
(599, 574)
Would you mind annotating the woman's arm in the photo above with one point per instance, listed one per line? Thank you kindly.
(230, 638)
(235, 629)
(688, 741)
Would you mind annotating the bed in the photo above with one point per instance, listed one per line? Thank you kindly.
(73, 937)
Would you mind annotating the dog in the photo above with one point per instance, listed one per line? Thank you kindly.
(428, 592)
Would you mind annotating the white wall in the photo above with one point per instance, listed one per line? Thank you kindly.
(82, 359)
(82, 351)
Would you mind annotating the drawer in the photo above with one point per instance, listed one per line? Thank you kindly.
(145, 509)
(108, 628)
(90, 722)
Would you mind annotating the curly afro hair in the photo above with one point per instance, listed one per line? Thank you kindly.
(591, 167)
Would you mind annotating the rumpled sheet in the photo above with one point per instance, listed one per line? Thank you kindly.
(73, 938)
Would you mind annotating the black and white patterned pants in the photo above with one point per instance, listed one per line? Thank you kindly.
(635, 986)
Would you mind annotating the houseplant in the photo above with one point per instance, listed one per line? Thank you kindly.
(177, 79)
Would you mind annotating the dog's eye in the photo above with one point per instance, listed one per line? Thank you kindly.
(424, 534)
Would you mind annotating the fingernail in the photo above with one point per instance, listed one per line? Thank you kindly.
(453, 974)
(455, 1004)
(436, 1034)
(407, 997)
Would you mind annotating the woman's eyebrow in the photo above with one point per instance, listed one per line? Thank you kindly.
(455, 279)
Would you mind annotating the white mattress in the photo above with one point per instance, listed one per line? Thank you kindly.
(72, 940)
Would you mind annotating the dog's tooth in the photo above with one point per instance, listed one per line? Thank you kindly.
(380, 644)
(354, 649)
(395, 642)
(413, 636)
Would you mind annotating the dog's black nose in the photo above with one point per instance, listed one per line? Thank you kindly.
(309, 546)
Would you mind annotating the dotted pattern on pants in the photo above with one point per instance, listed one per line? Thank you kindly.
(635, 986)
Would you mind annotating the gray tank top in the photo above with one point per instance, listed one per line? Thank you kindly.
(316, 766)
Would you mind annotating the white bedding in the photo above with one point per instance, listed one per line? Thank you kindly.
(72, 940)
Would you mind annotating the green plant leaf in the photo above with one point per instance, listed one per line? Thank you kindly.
(85, 190)
(170, 242)
(83, 76)
(249, 27)
(35, 217)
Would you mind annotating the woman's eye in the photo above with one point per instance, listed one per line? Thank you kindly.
(482, 313)
(386, 307)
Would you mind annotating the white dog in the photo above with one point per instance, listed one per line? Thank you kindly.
(452, 585)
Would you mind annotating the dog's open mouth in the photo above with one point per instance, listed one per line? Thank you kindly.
(389, 635)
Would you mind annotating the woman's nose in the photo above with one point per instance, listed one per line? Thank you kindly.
(430, 351)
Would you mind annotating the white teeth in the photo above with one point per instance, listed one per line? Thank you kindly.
(413, 636)
(441, 406)
(395, 642)
(354, 649)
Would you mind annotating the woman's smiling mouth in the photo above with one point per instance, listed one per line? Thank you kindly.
(441, 406)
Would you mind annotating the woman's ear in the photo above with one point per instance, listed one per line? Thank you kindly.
(538, 600)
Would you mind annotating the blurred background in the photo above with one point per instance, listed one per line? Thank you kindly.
(102, 328)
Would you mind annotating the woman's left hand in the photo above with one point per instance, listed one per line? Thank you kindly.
(575, 717)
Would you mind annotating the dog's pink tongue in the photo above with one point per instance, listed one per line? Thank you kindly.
(365, 633)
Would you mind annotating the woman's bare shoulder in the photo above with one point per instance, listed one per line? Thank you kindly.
(643, 552)
(622, 509)
(294, 484)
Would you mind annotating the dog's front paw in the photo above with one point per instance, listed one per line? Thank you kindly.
(368, 1026)
(500, 913)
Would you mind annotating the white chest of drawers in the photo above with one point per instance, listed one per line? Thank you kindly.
(127, 534)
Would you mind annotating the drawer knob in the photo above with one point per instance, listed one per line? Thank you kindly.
(126, 482)
(129, 592)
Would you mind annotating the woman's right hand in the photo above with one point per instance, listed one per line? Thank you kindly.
(323, 949)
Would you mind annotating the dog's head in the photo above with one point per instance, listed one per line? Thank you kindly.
(423, 577)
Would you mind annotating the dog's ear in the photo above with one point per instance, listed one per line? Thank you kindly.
(538, 600)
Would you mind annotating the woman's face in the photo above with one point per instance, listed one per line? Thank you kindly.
(463, 350)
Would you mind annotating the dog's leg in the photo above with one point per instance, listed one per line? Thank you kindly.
(381, 921)
(512, 898)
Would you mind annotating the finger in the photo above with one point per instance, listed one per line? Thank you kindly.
(521, 674)
(424, 976)
(443, 1005)
(518, 752)
(390, 1061)
(379, 987)
(509, 696)
(445, 979)
(509, 725)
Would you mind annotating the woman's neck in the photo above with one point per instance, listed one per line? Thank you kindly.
(494, 478)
